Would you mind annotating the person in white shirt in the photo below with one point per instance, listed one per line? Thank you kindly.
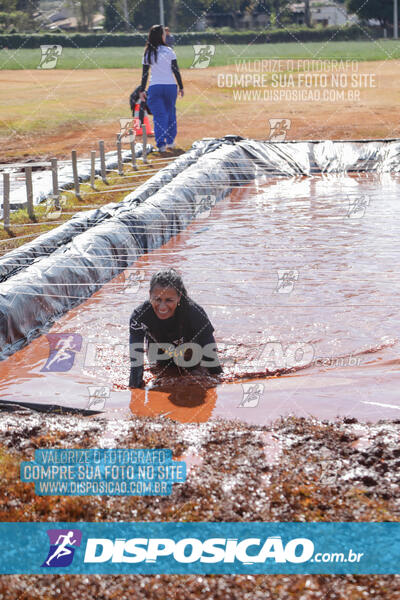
(162, 92)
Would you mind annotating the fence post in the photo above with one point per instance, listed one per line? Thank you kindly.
(75, 173)
(6, 201)
(102, 162)
(132, 144)
(144, 139)
(54, 176)
(29, 193)
(119, 156)
(92, 168)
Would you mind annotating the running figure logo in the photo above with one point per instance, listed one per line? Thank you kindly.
(54, 206)
(204, 204)
(62, 547)
(98, 395)
(202, 56)
(125, 124)
(63, 347)
(286, 280)
(133, 281)
(357, 206)
(252, 392)
(278, 129)
(50, 56)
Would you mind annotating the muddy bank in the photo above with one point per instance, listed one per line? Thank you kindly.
(212, 587)
(292, 470)
(295, 469)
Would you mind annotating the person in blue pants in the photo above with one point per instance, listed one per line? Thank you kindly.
(163, 91)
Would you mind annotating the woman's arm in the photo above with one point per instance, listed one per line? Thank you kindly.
(202, 334)
(207, 337)
(136, 352)
(176, 72)
(145, 75)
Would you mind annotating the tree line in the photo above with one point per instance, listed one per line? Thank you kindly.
(180, 15)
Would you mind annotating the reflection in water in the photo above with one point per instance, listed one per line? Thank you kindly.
(187, 398)
(183, 403)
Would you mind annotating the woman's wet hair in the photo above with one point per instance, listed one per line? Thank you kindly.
(169, 278)
(154, 40)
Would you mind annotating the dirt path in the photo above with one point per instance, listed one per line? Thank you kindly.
(49, 113)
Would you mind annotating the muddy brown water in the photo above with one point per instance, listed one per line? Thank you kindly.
(300, 279)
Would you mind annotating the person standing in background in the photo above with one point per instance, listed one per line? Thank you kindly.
(162, 92)
(169, 38)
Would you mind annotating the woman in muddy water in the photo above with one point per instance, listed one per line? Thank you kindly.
(177, 331)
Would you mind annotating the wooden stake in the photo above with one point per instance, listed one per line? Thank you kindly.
(102, 162)
(54, 176)
(144, 155)
(132, 144)
(75, 173)
(29, 193)
(6, 200)
(119, 156)
(92, 168)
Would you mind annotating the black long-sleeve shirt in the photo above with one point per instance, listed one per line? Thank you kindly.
(188, 324)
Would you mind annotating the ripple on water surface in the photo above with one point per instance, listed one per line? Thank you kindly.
(300, 280)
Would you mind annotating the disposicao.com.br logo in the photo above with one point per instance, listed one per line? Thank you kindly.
(200, 547)
(62, 547)
(208, 548)
(190, 550)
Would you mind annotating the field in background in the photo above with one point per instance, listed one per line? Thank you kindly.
(47, 113)
(129, 57)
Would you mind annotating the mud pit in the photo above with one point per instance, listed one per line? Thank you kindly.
(320, 340)
(293, 469)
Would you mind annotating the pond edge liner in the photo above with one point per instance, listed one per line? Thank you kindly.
(48, 242)
(33, 298)
(55, 409)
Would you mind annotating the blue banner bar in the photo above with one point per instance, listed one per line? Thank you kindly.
(200, 548)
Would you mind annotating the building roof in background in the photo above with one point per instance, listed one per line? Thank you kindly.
(72, 22)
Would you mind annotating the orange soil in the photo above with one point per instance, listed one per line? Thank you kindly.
(206, 110)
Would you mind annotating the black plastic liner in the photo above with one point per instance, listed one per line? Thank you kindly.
(47, 243)
(116, 235)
